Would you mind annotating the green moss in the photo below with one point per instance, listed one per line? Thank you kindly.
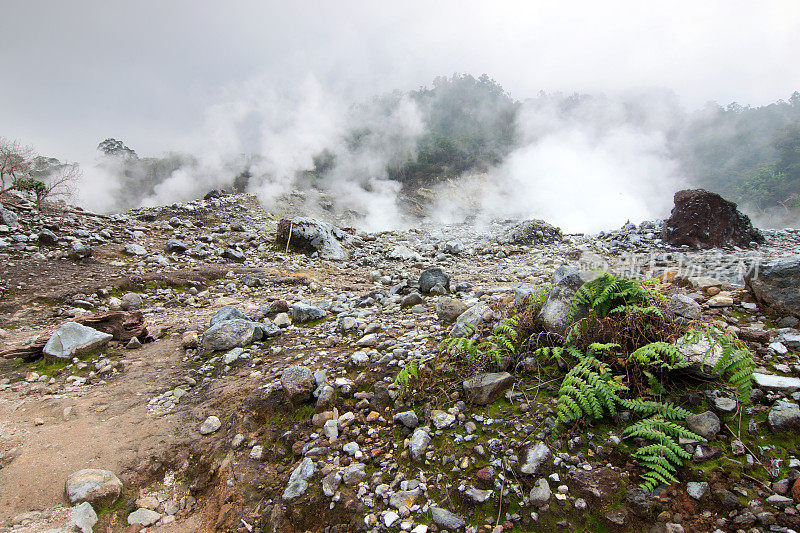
(283, 418)
(312, 323)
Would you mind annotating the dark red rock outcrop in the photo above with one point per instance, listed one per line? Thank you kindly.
(703, 219)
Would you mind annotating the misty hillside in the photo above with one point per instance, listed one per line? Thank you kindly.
(464, 146)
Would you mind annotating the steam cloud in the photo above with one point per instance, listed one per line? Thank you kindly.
(586, 168)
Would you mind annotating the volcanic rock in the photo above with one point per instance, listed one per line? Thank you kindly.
(531, 232)
(485, 388)
(703, 219)
(775, 284)
(308, 236)
(432, 277)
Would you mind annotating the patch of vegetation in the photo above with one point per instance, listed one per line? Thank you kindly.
(604, 377)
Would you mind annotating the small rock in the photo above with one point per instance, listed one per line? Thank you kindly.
(533, 457)
(485, 388)
(298, 481)
(540, 493)
(408, 418)
(299, 383)
(418, 444)
(83, 518)
(73, 339)
(432, 277)
(144, 517)
(697, 489)
(784, 416)
(707, 424)
(210, 425)
(446, 519)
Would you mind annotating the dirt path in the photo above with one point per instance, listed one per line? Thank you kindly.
(106, 426)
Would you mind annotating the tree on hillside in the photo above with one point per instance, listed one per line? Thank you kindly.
(116, 148)
(15, 164)
(46, 178)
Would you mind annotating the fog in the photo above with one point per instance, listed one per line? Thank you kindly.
(272, 85)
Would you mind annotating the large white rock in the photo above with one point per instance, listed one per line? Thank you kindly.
(93, 486)
(73, 339)
(770, 381)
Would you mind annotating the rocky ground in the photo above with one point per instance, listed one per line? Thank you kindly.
(262, 395)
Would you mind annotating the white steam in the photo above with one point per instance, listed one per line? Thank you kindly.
(593, 169)
(585, 167)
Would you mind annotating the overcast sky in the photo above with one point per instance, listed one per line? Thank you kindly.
(75, 72)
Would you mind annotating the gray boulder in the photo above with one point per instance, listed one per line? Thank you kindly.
(47, 238)
(784, 416)
(9, 218)
(432, 277)
(143, 517)
(210, 425)
(447, 520)
(298, 382)
(531, 232)
(555, 313)
(83, 518)
(773, 382)
(680, 305)
(775, 284)
(228, 334)
(298, 481)
(707, 424)
(175, 246)
(472, 316)
(418, 444)
(232, 254)
(407, 418)
(134, 249)
(227, 312)
(74, 339)
(308, 236)
(454, 247)
(131, 301)
(302, 312)
(540, 493)
(697, 489)
(98, 487)
(403, 253)
(485, 388)
(78, 250)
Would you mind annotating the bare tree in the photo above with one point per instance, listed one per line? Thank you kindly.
(59, 184)
(46, 178)
(15, 164)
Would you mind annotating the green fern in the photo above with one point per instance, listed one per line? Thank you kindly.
(661, 458)
(735, 361)
(404, 376)
(461, 345)
(557, 353)
(650, 407)
(660, 354)
(501, 342)
(588, 389)
(611, 294)
(536, 299)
